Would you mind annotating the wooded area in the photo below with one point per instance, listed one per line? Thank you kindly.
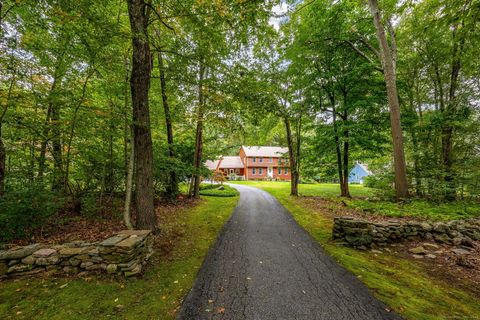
(108, 99)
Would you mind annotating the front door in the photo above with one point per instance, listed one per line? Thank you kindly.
(270, 172)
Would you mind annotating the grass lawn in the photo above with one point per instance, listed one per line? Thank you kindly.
(402, 284)
(417, 208)
(156, 295)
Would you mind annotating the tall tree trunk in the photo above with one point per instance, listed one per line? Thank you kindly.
(449, 118)
(338, 148)
(109, 178)
(140, 84)
(197, 159)
(172, 186)
(388, 56)
(127, 128)
(292, 159)
(2, 163)
(72, 131)
(346, 154)
(58, 173)
(47, 126)
(3, 152)
(128, 189)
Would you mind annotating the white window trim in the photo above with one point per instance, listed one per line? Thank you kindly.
(260, 170)
(254, 171)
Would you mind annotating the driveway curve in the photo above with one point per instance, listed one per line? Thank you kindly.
(265, 266)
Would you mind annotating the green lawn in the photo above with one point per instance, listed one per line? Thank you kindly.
(416, 208)
(402, 284)
(156, 295)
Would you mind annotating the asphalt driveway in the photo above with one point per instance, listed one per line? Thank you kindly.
(265, 266)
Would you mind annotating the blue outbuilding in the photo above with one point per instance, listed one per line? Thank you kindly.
(358, 173)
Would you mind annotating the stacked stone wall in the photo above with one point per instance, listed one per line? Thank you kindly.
(360, 233)
(125, 253)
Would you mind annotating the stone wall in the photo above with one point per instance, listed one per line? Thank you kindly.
(124, 253)
(360, 233)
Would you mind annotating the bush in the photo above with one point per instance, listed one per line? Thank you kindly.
(382, 185)
(25, 209)
(213, 191)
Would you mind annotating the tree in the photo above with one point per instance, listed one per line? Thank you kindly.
(388, 57)
(142, 139)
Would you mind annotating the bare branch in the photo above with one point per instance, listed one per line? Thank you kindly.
(364, 55)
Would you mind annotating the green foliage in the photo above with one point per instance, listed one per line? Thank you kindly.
(25, 209)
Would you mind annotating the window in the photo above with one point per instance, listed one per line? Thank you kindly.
(254, 170)
(231, 171)
(279, 160)
(260, 160)
(254, 159)
(279, 170)
(260, 170)
(286, 170)
(271, 159)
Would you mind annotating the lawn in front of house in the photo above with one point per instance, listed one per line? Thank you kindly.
(401, 283)
(188, 233)
(364, 200)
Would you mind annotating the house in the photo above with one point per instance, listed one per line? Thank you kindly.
(254, 163)
(358, 173)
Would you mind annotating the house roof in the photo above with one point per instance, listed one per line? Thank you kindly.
(364, 167)
(256, 151)
(230, 163)
(211, 164)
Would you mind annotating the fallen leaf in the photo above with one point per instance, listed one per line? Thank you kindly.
(210, 301)
(63, 285)
(221, 310)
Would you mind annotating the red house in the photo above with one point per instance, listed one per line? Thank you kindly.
(254, 163)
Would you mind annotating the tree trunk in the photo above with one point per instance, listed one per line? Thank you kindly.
(2, 163)
(387, 56)
(128, 192)
(110, 174)
(197, 161)
(140, 83)
(346, 154)
(172, 185)
(449, 119)
(58, 173)
(338, 149)
(292, 159)
(72, 131)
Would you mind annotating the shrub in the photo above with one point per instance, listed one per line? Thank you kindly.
(24, 209)
(216, 192)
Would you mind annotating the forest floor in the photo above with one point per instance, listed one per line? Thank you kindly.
(426, 289)
(187, 232)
